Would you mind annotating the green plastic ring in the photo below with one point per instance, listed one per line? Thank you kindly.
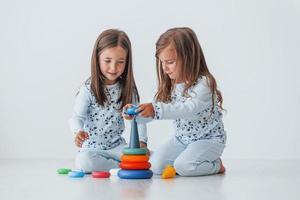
(134, 151)
(63, 171)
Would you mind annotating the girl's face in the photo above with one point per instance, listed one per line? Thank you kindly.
(170, 64)
(112, 63)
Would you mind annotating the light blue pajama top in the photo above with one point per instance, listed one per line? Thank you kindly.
(104, 124)
(193, 119)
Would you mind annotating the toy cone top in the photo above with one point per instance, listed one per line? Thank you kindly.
(134, 135)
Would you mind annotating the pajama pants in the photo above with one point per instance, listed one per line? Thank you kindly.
(195, 159)
(89, 160)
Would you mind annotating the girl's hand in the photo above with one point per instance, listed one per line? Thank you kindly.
(127, 117)
(146, 110)
(80, 137)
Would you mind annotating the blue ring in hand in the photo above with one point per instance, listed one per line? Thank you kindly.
(132, 110)
(135, 174)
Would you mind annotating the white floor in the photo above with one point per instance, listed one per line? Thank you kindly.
(244, 179)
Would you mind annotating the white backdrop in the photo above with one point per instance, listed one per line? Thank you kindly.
(252, 48)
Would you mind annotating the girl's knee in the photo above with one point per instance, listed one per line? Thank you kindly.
(185, 168)
(84, 161)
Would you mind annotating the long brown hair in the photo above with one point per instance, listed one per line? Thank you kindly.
(108, 39)
(193, 65)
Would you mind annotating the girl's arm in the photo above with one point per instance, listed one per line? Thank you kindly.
(142, 129)
(82, 102)
(199, 100)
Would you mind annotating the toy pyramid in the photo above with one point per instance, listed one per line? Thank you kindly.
(134, 161)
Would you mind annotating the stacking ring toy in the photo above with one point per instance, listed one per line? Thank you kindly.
(63, 171)
(135, 165)
(100, 174)
(76, 174)
(136, 151)
(135, 174)
(134, 158)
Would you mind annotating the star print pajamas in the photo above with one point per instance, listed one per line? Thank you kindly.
(104, 124)
(199, 138)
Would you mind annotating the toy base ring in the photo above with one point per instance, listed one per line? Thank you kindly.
(135, 174)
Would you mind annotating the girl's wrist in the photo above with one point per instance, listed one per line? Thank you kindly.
(143, 144)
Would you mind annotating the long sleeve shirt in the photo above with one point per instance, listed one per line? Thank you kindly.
(104, 124)
(195, 118)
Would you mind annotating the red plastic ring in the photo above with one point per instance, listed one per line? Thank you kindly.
(100, 174)
(135, 165)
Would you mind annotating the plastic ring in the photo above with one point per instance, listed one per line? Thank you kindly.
(76, 174)
(135, 165)
(132, 110)
(134, 158)
(100, 174)
(63, 171)
(135, 174)
(134, 151)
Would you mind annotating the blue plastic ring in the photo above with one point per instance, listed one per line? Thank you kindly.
(76, 174)
(135, 174)
(132, 110)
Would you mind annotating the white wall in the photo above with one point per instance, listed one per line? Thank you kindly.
(252, 48)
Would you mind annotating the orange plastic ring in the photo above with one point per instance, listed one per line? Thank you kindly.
(134, 158)
(135, 165)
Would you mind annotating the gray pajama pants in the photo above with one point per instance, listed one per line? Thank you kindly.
(196, 159)
(99, 160)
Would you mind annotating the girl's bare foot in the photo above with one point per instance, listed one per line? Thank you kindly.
(222, 168)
